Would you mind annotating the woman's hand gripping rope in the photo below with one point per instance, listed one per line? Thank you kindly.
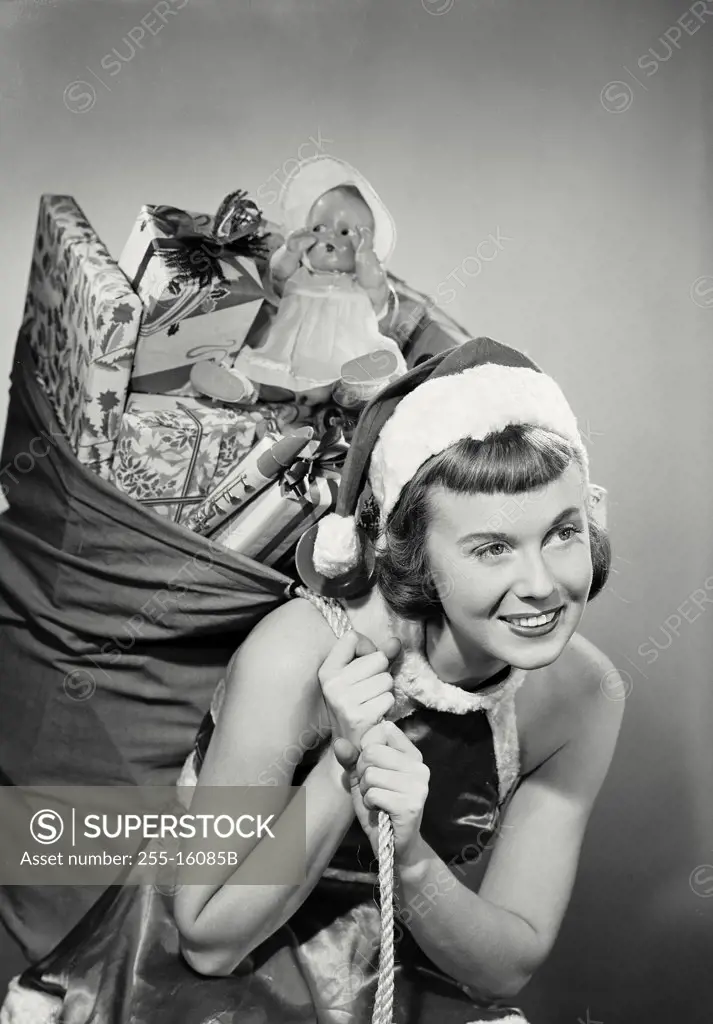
(387, 776)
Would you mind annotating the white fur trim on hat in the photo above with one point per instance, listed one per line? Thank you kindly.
(312, 178)
(336, 546)
(473, 403)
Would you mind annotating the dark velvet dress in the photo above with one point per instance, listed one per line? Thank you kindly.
(122, 962)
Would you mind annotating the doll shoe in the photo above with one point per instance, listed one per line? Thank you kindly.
(223, 384)
(364, 377)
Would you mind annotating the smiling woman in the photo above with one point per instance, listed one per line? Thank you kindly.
(533, 580)
(402, 696)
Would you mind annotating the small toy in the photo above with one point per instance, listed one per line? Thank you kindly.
(333, 290)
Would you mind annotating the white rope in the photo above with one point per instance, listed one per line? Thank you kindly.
(338, 619)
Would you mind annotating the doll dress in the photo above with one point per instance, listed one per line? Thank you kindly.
(122, 965)
(324, 319)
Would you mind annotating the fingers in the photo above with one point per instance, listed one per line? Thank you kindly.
(341, 655)
(387, 734)
(379, 706)
(379, 756)
(368, 667)
(356, 686)
(345, 752)
(344, 659)
(398, 740)
(405, 776)
(377, 735)
(372, 687)
(364, 646)
(392, 648)
(393, 802)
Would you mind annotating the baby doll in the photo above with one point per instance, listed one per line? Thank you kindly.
(333, 291)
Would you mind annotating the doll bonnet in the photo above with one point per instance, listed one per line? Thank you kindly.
(470, 391)
(312, 178)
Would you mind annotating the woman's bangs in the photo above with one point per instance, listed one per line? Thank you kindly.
(516, 459)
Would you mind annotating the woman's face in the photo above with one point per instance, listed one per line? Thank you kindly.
(499, 560)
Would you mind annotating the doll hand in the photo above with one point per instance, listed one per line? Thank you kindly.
(366, 240)
(301, 240)
(390, 775)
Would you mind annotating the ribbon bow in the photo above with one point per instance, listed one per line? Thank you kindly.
(236, 230)
(328, 456)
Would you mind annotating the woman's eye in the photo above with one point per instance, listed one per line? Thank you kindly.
(318, 227)
(567, 532)
(345, 231)
(491, 551)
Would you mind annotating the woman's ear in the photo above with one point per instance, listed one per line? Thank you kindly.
(601, 557)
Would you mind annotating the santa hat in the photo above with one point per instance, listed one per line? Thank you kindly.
(467, 392)
(312, 178)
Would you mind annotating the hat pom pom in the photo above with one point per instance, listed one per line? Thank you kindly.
(24, 1005)
(336, 546)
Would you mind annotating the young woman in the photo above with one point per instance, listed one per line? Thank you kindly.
(455, 695)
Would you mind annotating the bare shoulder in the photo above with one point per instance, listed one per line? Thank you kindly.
(272, 694)
(580, 692)
(295, 633)
(582, 668)
(589, 670)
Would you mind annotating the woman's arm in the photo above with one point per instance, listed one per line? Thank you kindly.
(493, 941)
(272, 701)
(237, 918)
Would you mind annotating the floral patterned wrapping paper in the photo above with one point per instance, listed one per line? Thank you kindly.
(178, 448)
(181, 448)
(82, 321)
(202, 310)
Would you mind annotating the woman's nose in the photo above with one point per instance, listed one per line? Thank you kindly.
(535, 579)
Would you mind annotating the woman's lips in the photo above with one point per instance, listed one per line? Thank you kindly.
(543, 623)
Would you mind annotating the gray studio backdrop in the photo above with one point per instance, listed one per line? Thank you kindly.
(577, 135)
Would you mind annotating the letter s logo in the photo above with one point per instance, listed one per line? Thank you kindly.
(46, 826)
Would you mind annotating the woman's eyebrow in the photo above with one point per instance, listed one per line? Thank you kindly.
(566, 513)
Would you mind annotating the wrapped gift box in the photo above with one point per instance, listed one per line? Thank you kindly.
(204, 310)
(82, 321)
(272, 523)
(172, 451)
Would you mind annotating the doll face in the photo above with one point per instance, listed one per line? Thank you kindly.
(335, 219)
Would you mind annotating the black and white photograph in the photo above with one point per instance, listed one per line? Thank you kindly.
(356, 558)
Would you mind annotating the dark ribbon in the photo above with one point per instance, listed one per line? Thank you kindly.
(329, 455)
(237, 231)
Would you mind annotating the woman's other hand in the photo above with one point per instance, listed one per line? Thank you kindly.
(357, 689)
(390, 776)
